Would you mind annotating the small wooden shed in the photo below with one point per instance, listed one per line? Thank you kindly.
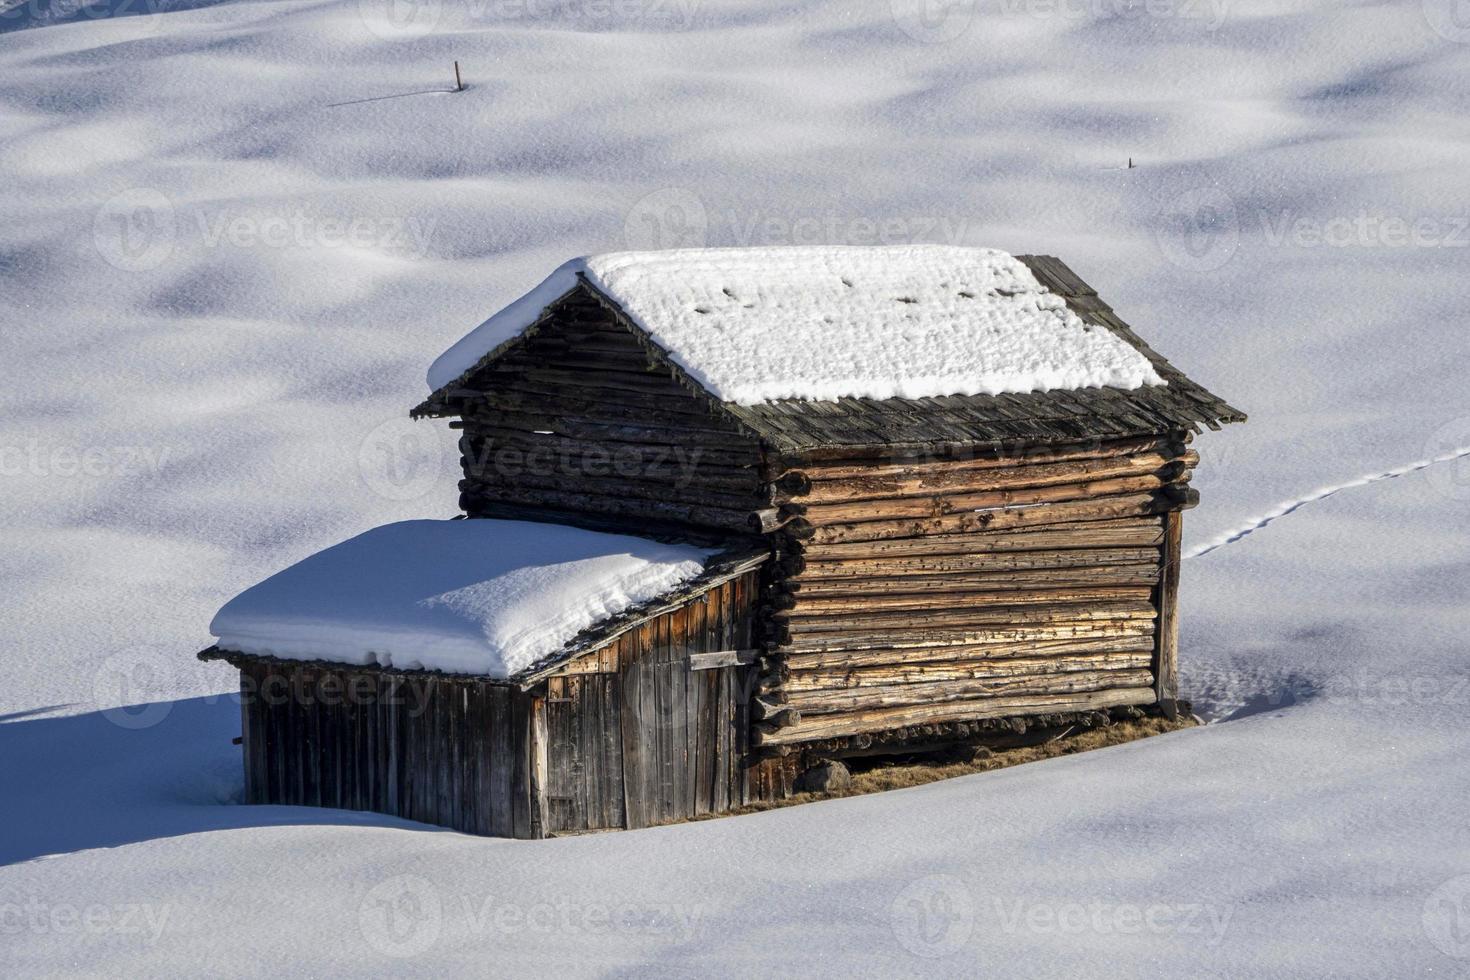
(953, 479)
(641, 719)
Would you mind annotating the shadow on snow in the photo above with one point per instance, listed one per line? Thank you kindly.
(122, 776)
(19, 15)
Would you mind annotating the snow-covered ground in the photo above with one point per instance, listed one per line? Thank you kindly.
(233, 235)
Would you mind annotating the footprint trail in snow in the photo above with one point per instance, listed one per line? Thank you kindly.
(1230, 537)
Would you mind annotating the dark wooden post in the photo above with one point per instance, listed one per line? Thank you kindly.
(1166, 650)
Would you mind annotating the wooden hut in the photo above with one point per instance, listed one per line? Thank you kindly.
(639, 718)
(947, 484)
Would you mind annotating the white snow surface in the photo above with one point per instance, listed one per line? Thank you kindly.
(483, 597)
(820, 323)
(199, 395)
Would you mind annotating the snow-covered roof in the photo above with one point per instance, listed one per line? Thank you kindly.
(484, 597)
(754, 325)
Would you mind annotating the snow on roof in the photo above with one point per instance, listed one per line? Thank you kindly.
(818, 323)
(478, 596)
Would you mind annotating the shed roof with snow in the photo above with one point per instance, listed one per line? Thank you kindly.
(824, 347)
(484, 598)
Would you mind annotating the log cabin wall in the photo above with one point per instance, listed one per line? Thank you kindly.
(935, 591)
(583, 422)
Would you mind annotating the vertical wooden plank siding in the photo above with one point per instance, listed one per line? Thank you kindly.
(631, 738)
(684, 752)
(250, 735)
(303, 771)
(1166, 658)
(611, 739)
(435, 750)
(278, 739)
(636, 737)
(520, 762)
(538, 766)
(632, 734)
(646, 735)
(500, 766)
(391, 720)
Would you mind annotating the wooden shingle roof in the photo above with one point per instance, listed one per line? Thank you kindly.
(845, 425)
(974, 420)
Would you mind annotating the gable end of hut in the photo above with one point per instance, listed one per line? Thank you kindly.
(582, 419)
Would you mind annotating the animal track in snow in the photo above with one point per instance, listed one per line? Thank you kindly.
(1230, 537)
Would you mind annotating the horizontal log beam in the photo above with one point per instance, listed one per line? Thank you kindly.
(732, 457)
(651, 428)
(668, 488)
(677, 410)
(815, 703)
(965, 581)
(831, 726)
(964, 622)
(528, 388)
(991, 656)
(1066, 512)
(898, 508)
(835, 468)
(887, 675)
(474, 500)
(867, 609)
(959, 481)
(814, 570)
(1128, 532)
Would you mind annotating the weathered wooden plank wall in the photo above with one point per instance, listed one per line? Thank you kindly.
(627, 736)
(452, 752)
(640, 738)
(956, 589)
(580, 420)
(1166, 651)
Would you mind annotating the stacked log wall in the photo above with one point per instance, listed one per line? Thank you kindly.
(584, 421)
(923, 592)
